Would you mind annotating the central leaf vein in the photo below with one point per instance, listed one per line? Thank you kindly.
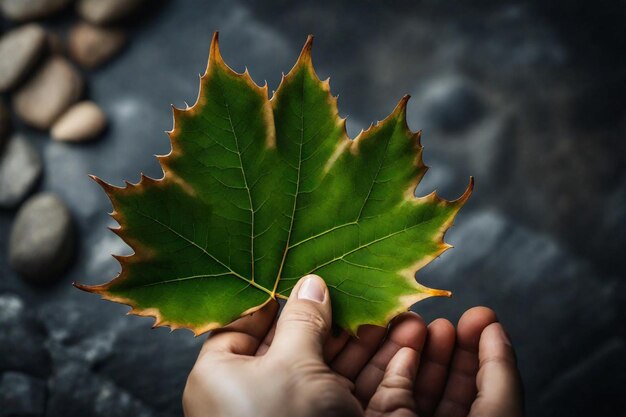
(295, 197)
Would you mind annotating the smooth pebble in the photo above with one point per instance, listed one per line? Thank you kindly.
(42, 240)
(20, 169)
(20, 49)
(91, 46)
(51, 90)
(82, 121)
(107, 11)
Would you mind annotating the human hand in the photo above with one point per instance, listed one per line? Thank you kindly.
(261, 365)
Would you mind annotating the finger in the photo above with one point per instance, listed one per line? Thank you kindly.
(408, 330)
(433, 370)
(498, 380)
(334, 344)
(460, 389)
(394, 396)
(267, 341)
(242, 336)
(303, 326)
(358, 351)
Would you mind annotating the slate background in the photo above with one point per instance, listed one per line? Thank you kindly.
(526, 96)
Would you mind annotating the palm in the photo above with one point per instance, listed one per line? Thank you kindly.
(433, 368)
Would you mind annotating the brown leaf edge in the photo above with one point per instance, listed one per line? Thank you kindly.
(140, 253)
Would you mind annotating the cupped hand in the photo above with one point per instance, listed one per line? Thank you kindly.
(264, 365)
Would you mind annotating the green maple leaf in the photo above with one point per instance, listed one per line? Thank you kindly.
(259, 192)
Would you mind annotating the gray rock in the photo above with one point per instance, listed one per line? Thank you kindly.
(107, 11)
(54, 87)
(69, 322)
(20, 49)
(21, 395)
(82, 332)
(80, 122)
(20, 170)
(92, 46)
(22, 10)
(41, 244)
(135, 347)
(5, 124)
(451, 105)
(569, 393)
(76, 392)
(22, 339)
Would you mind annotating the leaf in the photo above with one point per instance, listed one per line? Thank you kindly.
(257, 193)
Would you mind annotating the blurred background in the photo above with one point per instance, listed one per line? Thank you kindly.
(528, 97)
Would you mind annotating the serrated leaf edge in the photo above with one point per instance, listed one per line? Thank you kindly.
(304, 59)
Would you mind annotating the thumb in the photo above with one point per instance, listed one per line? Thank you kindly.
(305, 321)
(498, 380)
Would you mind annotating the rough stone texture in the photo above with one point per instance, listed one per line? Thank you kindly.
(20, 169)
(41, 244)
(21, 395)
(75, 391)
(21, 10)
(22, 339)
(134, 348)
(107, 11)
(118, 347)
(451, 105)
(92, 46)
(539, 240)
(605, 360)
(52, 89)
(20, 49)
(82, 121)
(76, 332)
(5, 124)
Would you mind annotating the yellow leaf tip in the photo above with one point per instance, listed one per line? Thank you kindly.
(468, 192)
(96, 289)
(305, 54)
(215, 55)
(215, 42)
(108, 188)
(441, 293)
(400, 110)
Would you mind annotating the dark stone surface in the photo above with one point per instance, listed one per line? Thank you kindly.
(75, 391)
(591, 370)
(22, 338)
(21, 395)
(156, 356)
(451, 106)
(540, 240)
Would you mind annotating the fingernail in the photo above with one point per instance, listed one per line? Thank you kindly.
(312, 289)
